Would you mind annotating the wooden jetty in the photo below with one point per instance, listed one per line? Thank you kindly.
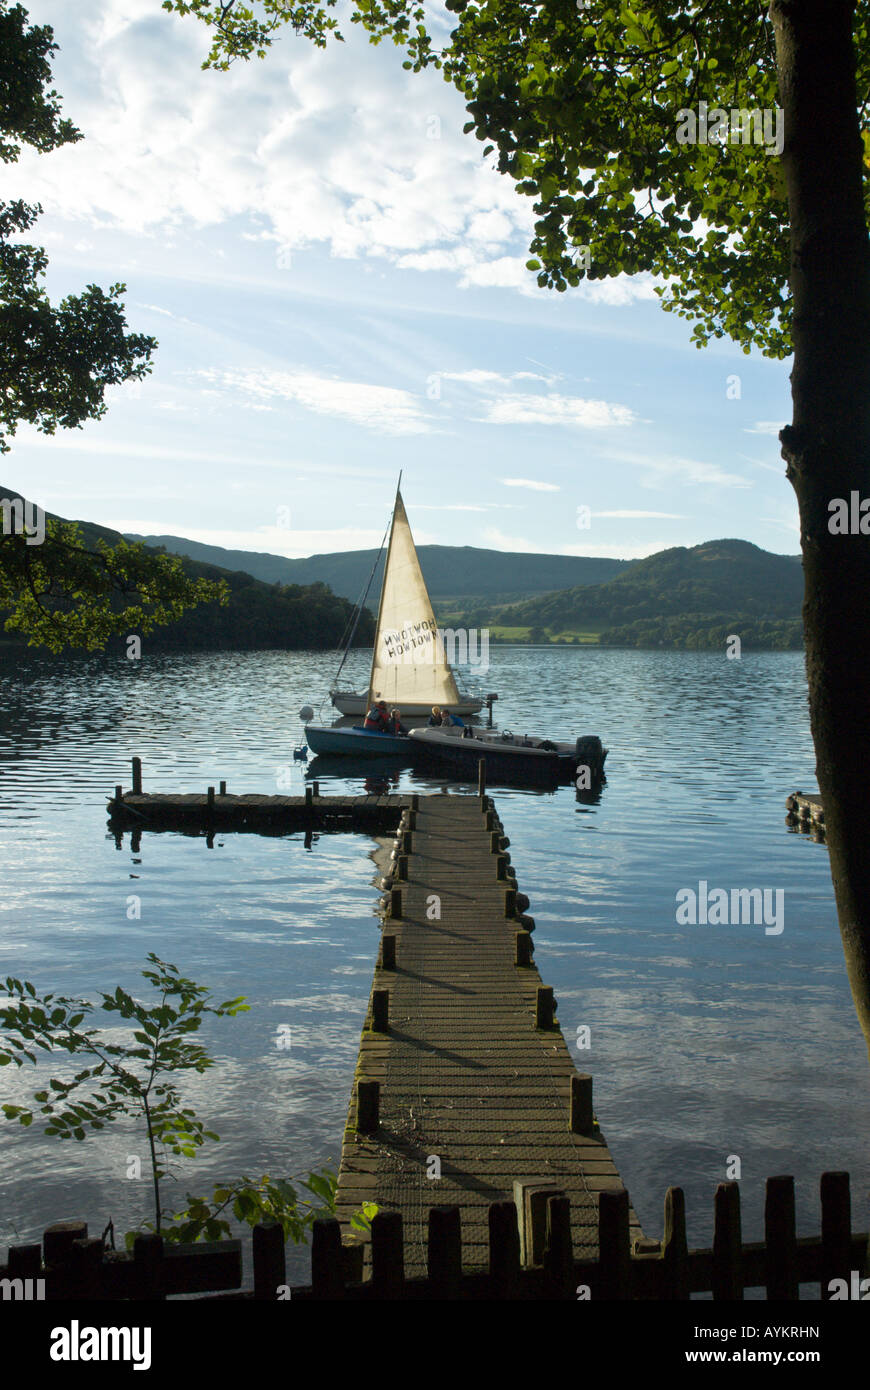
(199, 812)
(806, 813)
(466, 1093)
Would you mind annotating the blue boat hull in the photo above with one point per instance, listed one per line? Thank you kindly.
(356, 743)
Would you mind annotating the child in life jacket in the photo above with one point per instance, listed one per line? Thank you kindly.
(377, 718)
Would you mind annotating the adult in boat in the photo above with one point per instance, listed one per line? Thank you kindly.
(436, 718)
(378, 720)
(448, 718)
(396, 725)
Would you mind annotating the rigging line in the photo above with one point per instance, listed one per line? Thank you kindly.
(361, 604)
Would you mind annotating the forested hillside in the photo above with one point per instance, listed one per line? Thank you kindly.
(715, 578)
(257, 615)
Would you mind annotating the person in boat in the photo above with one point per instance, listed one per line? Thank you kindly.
(436, 718)
(396, 725)
(378, 720)
(448, 718)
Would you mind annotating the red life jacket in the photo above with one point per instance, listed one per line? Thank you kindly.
(376, 719)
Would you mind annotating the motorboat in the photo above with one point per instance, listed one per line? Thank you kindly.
(509, 756)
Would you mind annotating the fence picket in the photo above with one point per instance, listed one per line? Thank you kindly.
(327, 1273)
(388, 1255)
(614, 1248)
(270, 1265)
(444, 1255)
(504, 1249)
(148, 1275)
(727, 1244)
(675, 1250)
(558, 1251)
(780, 1240)
(836, 1261)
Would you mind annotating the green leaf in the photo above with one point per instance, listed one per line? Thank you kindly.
(321, 1187)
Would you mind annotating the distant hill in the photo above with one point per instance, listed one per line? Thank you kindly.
(680, 597)
(674, 596)
(257, 616)
(450, 571)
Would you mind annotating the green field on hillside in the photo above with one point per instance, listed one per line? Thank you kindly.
(499, 633)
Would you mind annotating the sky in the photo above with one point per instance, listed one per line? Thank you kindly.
(337, 281)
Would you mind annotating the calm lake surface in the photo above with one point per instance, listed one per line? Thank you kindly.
(706, 1041)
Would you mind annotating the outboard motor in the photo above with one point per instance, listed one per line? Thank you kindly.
(590, 752)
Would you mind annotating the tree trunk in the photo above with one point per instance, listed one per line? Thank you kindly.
(827, 447)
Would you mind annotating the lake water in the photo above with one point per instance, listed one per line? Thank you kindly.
(706, 1041)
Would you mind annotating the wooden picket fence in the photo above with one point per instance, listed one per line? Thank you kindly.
(74, 1266)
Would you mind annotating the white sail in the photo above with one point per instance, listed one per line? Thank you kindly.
(409, 665)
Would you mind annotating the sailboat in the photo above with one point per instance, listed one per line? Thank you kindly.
(410, 670)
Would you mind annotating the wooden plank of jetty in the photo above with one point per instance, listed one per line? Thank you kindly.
(806, 813)
(469, 1086)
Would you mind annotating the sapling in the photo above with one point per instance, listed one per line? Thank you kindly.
(136, 1079)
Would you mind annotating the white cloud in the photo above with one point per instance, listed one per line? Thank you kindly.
(156, 309)
(384, 408)
(791, 525)
(642, 516)
(697, 472)
(87, 442)
(331, 147)
(778, 469)
(497, 540)
(618, 290)
(557, 410)
(530, 483)
(475, 268)
(660, 469)
(772, 427)
(321, 146)
(504, 272)
(479, 377)
(441, 259)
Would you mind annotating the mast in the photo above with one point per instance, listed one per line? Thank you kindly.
(369, 695)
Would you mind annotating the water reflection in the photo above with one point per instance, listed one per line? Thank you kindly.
(705, 1042)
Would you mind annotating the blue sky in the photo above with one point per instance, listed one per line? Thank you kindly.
(336, 279)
